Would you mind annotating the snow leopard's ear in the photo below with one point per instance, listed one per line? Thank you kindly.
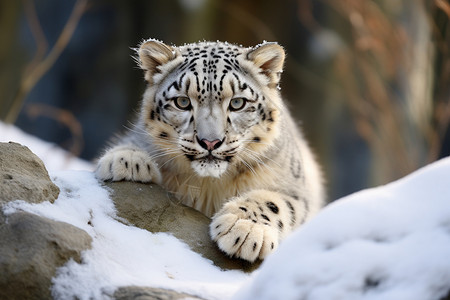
(153, 55)
(269, 57)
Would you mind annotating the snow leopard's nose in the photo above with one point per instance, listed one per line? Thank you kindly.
(209, 145)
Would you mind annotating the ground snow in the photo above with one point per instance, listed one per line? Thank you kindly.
(391, 242)
(123, 255)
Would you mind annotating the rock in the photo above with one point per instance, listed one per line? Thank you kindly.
(150, 207)
(31, 249)
(23, 176)
(147, 293)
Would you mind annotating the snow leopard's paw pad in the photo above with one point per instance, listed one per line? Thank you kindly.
(241, 230)
(126, 163)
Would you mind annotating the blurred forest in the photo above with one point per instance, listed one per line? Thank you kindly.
(369, 79)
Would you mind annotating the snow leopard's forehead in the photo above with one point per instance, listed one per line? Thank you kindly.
(212, 71)
(211, 62)
(212, 48)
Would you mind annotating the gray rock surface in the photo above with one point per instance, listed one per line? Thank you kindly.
(147, 293)
(150, 207)
(23, 176)
(31, 247)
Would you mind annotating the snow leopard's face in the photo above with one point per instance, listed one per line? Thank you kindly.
(213, 105)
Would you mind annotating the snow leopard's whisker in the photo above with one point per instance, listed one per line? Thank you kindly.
(252, 156)
(163, 147)
(241, 159)
(163, 154)
(163, 151)
(186, 181)
(249, 167)
(258, 160)
(136, 129)
(176, 156)
(262, 156)
(167, 153)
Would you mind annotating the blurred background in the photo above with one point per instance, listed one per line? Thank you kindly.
(368, 80)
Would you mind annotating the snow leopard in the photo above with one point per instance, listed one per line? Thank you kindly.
(214, 130)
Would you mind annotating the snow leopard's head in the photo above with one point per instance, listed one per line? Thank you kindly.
(212, 105)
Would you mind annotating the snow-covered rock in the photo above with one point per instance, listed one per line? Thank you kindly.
(141, 238)
(32, 247)
(150, 207)
(391, 242)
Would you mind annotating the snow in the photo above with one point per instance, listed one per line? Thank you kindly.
(123, 255)
(390, 242)
(53, 157)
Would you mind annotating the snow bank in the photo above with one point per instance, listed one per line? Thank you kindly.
(391, 242)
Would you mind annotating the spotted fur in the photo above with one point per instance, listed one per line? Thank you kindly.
(214, 130)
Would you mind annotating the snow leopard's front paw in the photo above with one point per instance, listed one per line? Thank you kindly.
(127, 163)
(246, 227)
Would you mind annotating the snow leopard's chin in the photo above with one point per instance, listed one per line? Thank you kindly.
(209, 167)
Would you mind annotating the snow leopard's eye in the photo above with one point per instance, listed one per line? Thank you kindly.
(182, 103)
(237, 104)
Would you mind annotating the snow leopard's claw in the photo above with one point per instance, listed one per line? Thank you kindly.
(240, 236)
(126, 163)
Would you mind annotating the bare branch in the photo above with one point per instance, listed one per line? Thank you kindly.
(445, 6)
(64, 117)
(37, 32)
(32, 76)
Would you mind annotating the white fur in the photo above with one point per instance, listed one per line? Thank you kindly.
(127, 163)
(261, 182)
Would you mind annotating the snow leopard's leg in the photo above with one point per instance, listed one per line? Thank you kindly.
(251, 226)
(127, 162)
